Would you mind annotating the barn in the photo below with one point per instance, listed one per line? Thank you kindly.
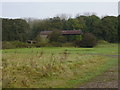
(63, 32)
(67, 33)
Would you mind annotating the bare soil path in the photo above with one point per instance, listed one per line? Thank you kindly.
(108, 79)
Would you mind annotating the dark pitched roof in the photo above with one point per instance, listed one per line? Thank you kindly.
(71, 32)
(45, 32)
(63, 32)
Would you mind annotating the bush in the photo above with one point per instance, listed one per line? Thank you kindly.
(88, 40)
(15, 44)
(44, 44)
(8, 45)
(62, 39)
(56, 44)
(103, 42)
(67, 45)
(21, 44)
(40, 44)
(55, 36)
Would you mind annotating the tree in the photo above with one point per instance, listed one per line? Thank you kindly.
(74, 24)
(63, 16)
(15, 29)
(53, 37)
(107, 29)
(56, 23)
(56, 36)
(19, 29)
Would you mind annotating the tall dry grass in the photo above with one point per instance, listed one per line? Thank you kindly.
(22, 70)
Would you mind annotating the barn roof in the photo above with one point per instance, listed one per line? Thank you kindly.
(45, 32)
(72, 32)
(63, 32)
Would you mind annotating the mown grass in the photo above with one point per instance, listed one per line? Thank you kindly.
(54, 67)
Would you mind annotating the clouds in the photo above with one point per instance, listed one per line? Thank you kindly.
(51, 9)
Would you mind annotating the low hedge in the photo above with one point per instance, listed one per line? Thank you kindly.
(15, 44)
(8, 45)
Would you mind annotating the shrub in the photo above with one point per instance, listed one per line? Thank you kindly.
(21, 44)
(62, 39)
(103, 42)
(67, 45)
(15, 44)
(54, 36)
(56, 44)
(44, 44)
(7, 45)
(88, 40)
(40, 44)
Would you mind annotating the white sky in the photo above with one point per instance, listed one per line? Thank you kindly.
(60, 0)
(50, 9)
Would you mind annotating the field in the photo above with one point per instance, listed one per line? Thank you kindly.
(55, 67)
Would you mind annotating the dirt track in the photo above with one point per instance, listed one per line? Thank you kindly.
(108, 79)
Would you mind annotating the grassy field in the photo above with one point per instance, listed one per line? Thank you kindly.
(55, 67)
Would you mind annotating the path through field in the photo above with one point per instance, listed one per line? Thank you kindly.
(108, 79)
(60, 67)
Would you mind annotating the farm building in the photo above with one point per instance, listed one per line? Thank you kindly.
(67, 33)
(63, 32)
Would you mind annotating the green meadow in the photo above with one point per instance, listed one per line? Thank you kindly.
(55, 67)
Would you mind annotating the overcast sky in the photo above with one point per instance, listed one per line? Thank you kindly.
(50, 9)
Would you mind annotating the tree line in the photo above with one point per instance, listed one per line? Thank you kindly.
(105, 28)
